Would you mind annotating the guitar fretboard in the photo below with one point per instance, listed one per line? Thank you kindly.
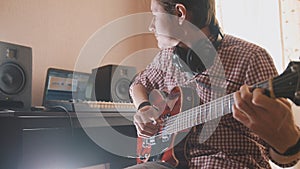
(200, 114)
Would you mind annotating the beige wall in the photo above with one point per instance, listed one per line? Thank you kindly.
(57, 30)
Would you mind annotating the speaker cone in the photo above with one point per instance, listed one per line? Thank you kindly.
(121, 90)
(12, 78)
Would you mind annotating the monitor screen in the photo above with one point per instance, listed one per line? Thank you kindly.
(65, 85)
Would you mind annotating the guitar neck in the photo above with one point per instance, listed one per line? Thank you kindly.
(206, 112)
(200, 114)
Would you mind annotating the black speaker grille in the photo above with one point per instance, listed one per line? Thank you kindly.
(121, 90)
(12, 78)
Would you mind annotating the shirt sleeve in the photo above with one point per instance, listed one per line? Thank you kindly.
(153, 76)
(260, 68)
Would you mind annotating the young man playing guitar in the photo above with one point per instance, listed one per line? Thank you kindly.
(259, 129)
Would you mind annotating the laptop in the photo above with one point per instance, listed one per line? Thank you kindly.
(64, 87)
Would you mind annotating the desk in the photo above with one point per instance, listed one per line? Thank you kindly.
(56, 140)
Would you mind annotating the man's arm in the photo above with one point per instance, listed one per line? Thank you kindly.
(139, 94)
(271, 119)
(146, 119)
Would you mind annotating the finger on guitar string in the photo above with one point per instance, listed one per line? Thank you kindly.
(145, 132)
(145, 128)
(148, 113)
(241, 105)
(240, 116)
(244, 101)
(261, 100)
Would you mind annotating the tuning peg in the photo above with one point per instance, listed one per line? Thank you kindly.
(297, 95)
(294, 68)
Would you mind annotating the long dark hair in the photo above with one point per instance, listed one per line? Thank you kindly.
(203, 12)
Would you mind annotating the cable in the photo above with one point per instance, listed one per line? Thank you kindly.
(68, 114)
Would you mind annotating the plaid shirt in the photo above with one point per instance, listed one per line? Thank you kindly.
(220, 143)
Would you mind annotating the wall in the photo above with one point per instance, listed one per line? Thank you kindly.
(290, 11)
(251, 21)
(58, 29)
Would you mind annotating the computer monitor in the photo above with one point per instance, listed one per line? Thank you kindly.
(65, 85)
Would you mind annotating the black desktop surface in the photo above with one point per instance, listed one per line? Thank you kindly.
(42, 140)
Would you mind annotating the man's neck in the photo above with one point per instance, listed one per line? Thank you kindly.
(204, 31)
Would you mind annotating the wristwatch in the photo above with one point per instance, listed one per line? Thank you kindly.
(143, 104)
(290, 151)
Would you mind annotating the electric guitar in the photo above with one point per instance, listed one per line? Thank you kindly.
(169, 143)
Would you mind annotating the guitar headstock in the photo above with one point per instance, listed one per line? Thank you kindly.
(287, 84)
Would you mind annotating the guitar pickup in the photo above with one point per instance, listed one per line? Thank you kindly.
(165, 138)
(148, 142)
(151, 141)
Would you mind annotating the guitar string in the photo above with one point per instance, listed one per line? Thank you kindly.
(179, 122)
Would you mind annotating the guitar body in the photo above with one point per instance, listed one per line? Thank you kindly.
(171, 148)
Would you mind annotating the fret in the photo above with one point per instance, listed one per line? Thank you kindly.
(199, 115)
(229, 105)
(177, 123)
(187, 122)
(195, 118)
(232, 102)
(188, 119)
(216, 109)
(210, 111)
(180, 124)
(222, 105)
(213, 110)
(205, 113)
(192, 120)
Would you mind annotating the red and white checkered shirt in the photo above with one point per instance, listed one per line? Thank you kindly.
(221, 143)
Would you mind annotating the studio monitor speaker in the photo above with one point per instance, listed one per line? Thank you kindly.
(112, 83)
(15, 76)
